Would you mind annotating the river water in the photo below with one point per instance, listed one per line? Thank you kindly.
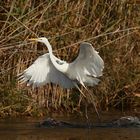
(26, 129)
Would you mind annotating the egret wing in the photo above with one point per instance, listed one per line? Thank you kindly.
(42, 71)
(87, 66)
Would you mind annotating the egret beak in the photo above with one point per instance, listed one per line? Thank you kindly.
(33, 39)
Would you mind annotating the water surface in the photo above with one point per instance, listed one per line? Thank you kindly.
(26, 129)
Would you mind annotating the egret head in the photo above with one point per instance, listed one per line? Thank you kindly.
(40, 39)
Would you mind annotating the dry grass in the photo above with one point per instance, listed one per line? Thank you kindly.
(113, 29)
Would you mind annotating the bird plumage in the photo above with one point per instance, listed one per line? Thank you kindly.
(42, 71)
(49, 69)
(87, 66)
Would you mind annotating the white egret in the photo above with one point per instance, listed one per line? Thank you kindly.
(47, 68)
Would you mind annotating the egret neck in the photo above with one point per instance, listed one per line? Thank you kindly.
(63, 67)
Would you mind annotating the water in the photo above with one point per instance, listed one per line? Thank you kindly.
(25, 129)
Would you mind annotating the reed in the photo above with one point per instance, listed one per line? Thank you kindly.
(111, 26)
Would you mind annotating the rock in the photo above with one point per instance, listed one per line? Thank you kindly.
(127, 121)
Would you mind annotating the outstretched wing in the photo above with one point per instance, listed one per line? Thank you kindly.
(87, 66)
(42, 72)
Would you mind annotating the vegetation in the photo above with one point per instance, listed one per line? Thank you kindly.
(111, 26)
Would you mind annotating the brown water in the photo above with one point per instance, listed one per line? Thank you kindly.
(25, 129)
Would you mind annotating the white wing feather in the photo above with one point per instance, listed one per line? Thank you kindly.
(42, 72)
(87, 66)
(85, 70)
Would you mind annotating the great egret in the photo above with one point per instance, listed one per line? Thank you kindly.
(47, 68)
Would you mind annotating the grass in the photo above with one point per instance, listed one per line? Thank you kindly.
(111, 26)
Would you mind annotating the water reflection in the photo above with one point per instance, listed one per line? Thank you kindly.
(21, 129)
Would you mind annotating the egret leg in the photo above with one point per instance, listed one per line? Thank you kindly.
(92, 99)
(93, 102)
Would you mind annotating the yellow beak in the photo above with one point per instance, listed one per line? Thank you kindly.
(33, 39)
